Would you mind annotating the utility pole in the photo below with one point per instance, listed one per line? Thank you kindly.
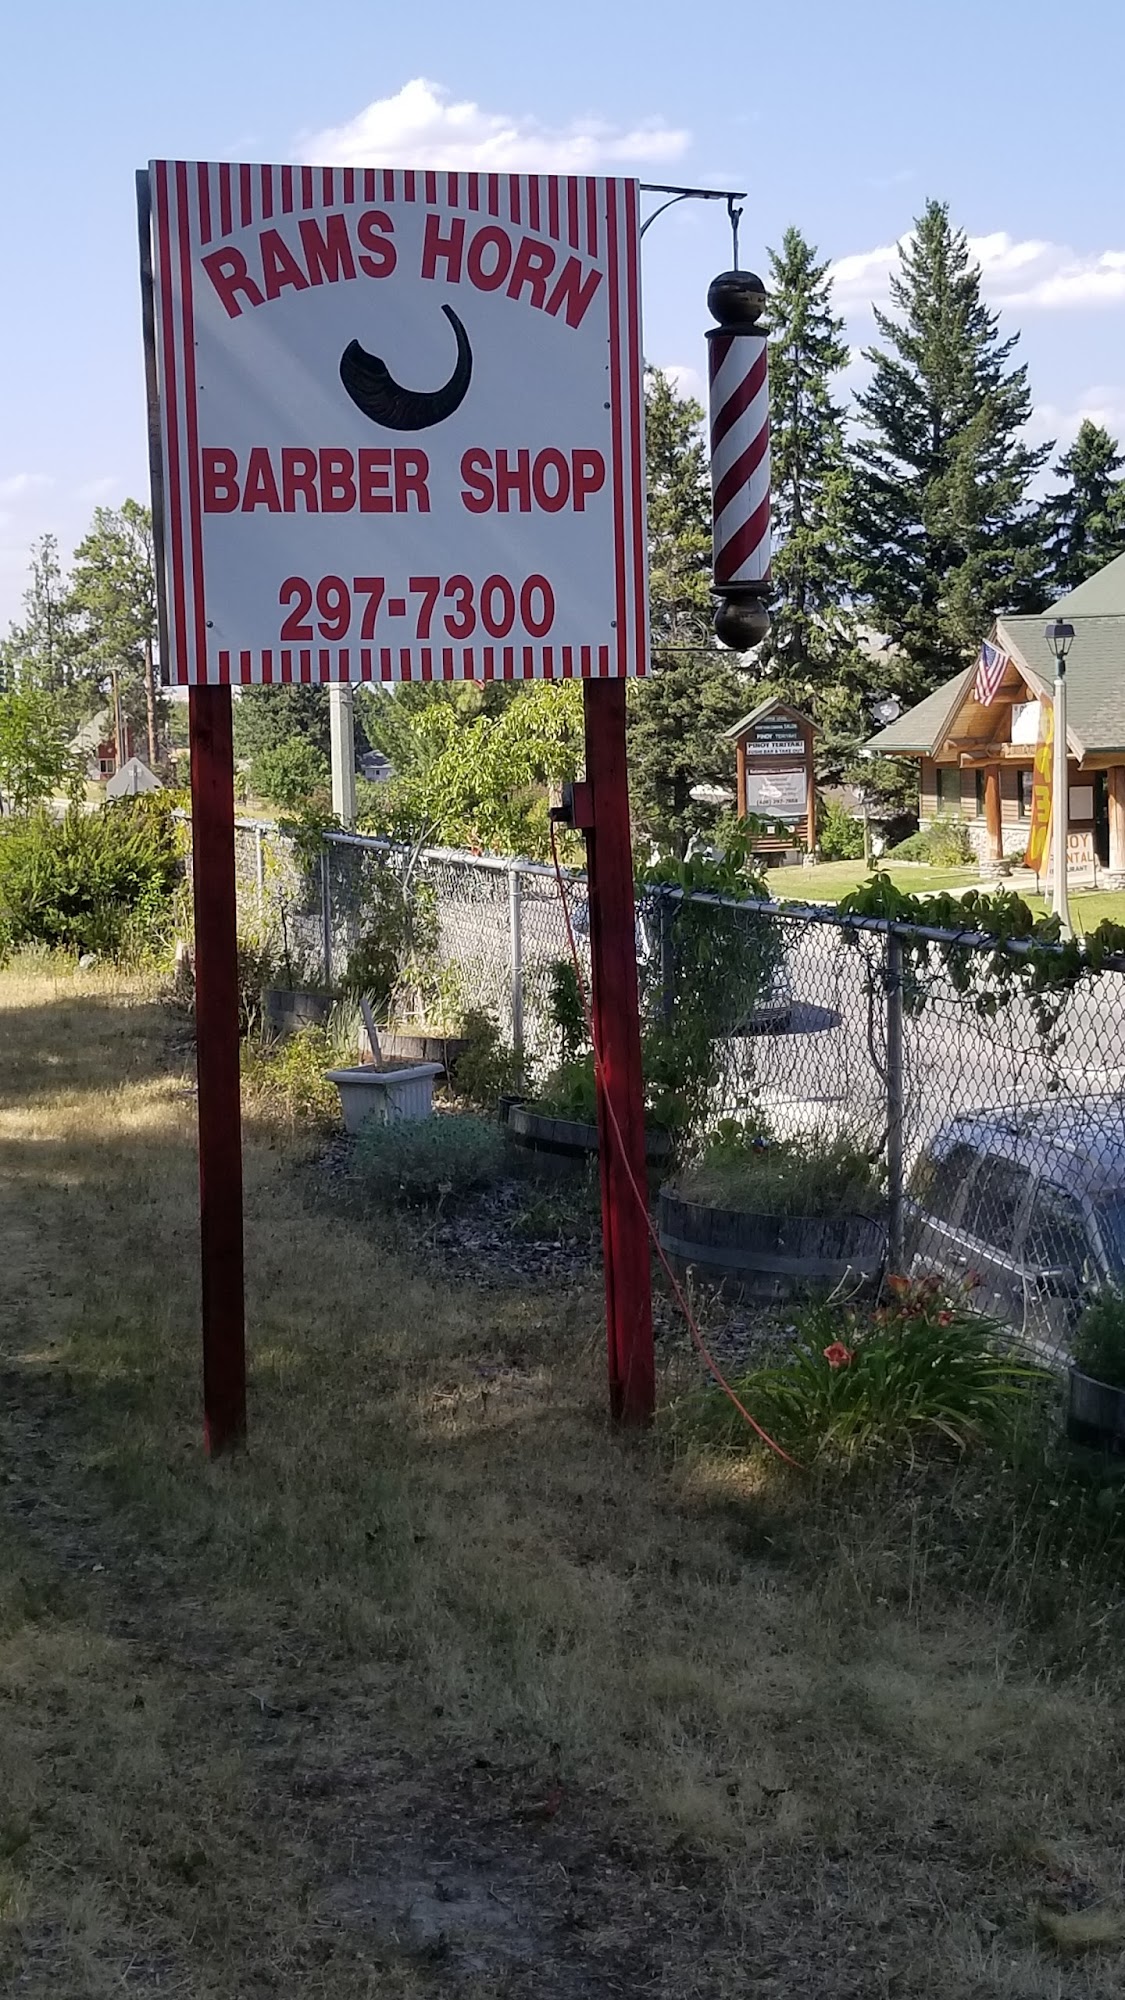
(1060, 638)
(341, 715)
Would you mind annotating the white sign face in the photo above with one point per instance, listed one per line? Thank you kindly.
(402, 424)
(777, 794)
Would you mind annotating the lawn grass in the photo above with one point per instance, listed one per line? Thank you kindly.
(441, 1688)
(828, 881)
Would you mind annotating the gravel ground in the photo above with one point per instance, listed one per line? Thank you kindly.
(523, 1231)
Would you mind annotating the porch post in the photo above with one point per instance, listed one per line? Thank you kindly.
(994, 830)
(1115, 788)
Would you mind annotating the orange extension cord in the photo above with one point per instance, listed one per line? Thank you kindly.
(641, 1199)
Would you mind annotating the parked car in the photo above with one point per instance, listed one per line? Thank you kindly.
(1032, 1203)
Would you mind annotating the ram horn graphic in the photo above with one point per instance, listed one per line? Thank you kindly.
(373, 389)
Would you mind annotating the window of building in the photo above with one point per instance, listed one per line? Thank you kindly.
(978, 777)
(1024, 781)
(948, 788)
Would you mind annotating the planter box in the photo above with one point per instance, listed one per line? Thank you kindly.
(384, 1094)
(288, 1008)
(563, 1139)
(1095, 1412)
(768, 1256)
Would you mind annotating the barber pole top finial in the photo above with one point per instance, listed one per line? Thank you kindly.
(740, 457)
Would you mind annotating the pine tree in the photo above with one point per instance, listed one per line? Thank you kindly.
(1083, 527)
(943, 534)
(694, 691)
(113, 608)
(42, 652)
(811, 656)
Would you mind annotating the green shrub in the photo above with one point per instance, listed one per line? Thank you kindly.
(487, 1069)
(741, 1168)
(100, 881)
(840, 834)
(1099, 1339)
(944, 843)
(567, 1010)
(867, 1384)
(291, 774)
(285, 1077)
(570, 1092)
(428, 1159)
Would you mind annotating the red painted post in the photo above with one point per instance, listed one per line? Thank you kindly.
(216, 1043)
(609, 852)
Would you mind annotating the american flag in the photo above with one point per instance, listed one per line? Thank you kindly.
(991, 668)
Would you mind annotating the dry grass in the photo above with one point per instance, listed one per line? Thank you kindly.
(440, 1688)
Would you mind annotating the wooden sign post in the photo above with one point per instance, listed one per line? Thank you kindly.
(439, 376)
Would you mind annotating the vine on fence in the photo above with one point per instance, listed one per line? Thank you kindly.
(1029, 955)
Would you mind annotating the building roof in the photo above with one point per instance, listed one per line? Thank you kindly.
(772, 702)
(1095, 677)
(92, 734)
(923, 728)
(1101, 596)
(133, 777)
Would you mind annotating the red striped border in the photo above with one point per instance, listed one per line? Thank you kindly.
(198, 201)
(639, 652)
(191, 411)
(547, 662)
(169, 392)
(234, 196)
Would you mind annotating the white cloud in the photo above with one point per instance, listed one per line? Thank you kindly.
(1027, 273)
(686, 380)
(20, 485)
(97, 491)
(424, 126)
(1103, 404)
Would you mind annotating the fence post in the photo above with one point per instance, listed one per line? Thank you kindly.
(260, 870)
(326, 908)
(515, 946)
(667, 957)
(892, 982)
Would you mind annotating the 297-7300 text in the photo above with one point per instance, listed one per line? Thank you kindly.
(454, 607)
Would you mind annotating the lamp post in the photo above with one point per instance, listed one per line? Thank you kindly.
(1060, 638)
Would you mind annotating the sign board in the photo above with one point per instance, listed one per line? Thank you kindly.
(402, 424)
(777, 794)
(775, 736)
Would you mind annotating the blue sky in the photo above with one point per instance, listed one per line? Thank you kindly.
(841, 119)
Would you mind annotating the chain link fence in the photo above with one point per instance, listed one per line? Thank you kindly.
(994, 1101)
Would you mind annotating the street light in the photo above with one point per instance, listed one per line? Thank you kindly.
(1060, 638)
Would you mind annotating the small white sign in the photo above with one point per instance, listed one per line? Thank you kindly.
(777, 794)
(402, 424)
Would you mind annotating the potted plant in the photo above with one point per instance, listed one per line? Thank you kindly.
(559, 1121)
(768, 1217)
(1096, 1390)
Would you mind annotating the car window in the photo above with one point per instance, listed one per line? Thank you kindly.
(995, 1201)
(1057, 1237)
(938, 1179)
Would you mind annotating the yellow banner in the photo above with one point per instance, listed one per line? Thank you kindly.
(1039, 832)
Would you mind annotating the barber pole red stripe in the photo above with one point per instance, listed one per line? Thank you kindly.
(740, 456)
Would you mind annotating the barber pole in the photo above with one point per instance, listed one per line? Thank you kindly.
(740, 458)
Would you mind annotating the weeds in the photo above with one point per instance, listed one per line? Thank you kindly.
(429, 1159)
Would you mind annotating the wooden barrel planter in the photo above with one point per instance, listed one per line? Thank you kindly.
(288, 1008)
(563, 1141)
(424, 1045)
(768, 1256)
(1095, 1413)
